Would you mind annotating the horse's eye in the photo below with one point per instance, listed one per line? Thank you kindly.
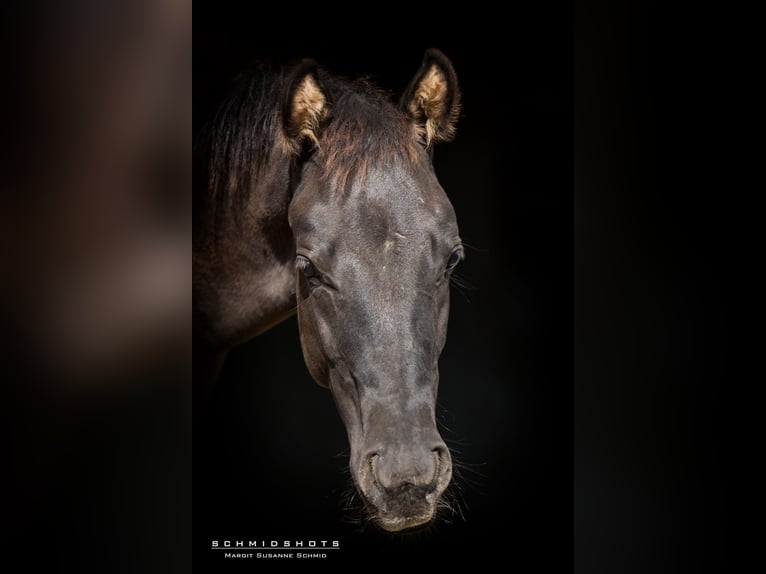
(454, 258)
(306, 267)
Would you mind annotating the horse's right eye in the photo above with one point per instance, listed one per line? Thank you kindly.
(306, 267)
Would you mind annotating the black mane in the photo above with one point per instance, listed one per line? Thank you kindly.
(236, 143)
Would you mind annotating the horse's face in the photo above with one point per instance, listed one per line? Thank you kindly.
(373, 269)
(376, 241)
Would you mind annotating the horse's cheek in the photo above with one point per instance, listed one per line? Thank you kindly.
(311, 344)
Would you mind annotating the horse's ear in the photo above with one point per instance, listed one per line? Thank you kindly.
(432, 100)
(304, 107)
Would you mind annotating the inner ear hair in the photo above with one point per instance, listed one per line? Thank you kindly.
(433, 99)
(429, 104)
(305, 107)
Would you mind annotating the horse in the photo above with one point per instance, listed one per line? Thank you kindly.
(320, 198)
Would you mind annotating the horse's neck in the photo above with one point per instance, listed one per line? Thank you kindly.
(245, 279)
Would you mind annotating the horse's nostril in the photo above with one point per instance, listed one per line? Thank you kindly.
(371, 467)
(441, 453)
(443, 464)
(437, 466)
(440, 450)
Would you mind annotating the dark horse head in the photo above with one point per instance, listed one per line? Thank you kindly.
(374, 240)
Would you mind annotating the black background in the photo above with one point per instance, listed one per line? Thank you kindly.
(270, 451)
(654, 240)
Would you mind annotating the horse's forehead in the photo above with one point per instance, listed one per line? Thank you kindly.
(386, 201)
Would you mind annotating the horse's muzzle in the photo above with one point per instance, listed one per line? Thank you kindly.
(403, 488)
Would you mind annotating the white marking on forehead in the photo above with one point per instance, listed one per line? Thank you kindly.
(388, 244)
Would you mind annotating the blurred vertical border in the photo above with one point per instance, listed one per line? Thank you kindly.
(652, 260)
(95, 287)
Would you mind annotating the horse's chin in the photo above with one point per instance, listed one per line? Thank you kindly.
(391, 515)
(404, 524)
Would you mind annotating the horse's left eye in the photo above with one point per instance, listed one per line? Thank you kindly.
(454, 259)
